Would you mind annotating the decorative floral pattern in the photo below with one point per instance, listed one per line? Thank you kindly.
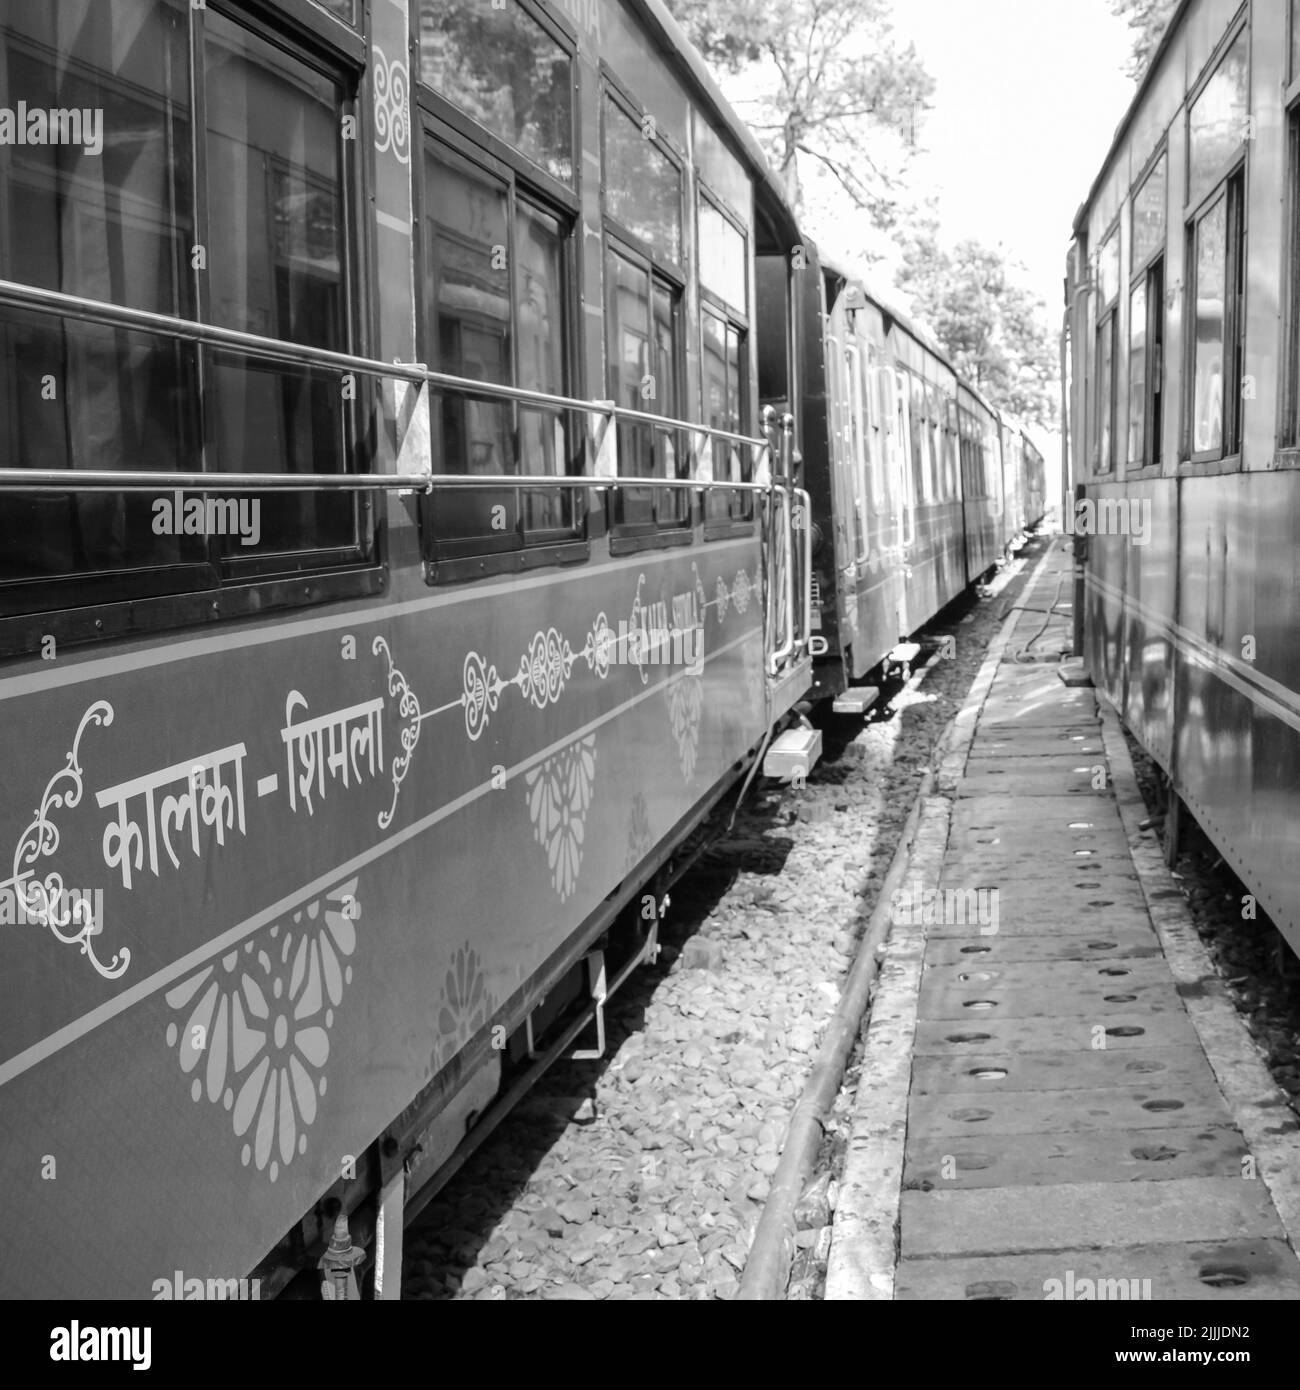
(256, 1027)
(466, 1005)
(392, 119)
(43, 898)
(685, 710)
(559, 793)
(639, 838)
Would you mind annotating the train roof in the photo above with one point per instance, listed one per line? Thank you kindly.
(1126, 121)
(846, 271)
(768, 191)
(852, 273)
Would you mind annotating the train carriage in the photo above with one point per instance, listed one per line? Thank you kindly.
(1181, 313)
(393, 573)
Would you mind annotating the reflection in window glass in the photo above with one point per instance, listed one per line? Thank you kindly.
(722, 410)
(500, 66)
(1108, 269)
(1137, 374)
(111, 223)
(1295, 39)
(1149, 214)
(1211, 263)
(273, 136)
(467, 308)
(540, 325)
(722, 257)
(672, 455)
(343, 9)
(627, 325)
(643, 187)
(1217, 121)
(1106, 395)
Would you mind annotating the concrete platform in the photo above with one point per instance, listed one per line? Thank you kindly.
(1083, 1115)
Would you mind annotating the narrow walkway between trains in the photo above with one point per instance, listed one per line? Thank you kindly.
(1037, 1116)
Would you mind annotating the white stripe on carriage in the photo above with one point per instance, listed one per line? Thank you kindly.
(160, 979)
(101, 668)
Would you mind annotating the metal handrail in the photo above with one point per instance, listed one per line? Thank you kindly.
(300, 355)
(114, 480)
(806, 640)
(786, 649)
(860, 450)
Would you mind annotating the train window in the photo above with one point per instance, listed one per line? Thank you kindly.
(1146, 365)
(272, 129)
(643, 351)
(495, 296)
(723, 263)
(1108, 270)
(1217, 123)
(346, 10)
(724, 408)
(1149, 212)
(1104, 452)
(498, 65)
(643, 183)
(117, 219)
(1215, 346)
(1137, 374)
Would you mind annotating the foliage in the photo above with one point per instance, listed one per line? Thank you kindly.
(1147, 20)
(823, 79)
(994, 331)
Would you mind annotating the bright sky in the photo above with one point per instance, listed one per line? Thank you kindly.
(1029, 93)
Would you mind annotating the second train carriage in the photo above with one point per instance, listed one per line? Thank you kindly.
(921, 488)
(324, 797)
(1182, 313)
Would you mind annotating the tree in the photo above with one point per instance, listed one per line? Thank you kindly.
(825, 79)
(994, 331)
(1147, 21)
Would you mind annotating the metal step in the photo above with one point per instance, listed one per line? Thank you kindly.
(904, 654)
(793, 756)
(857, 699)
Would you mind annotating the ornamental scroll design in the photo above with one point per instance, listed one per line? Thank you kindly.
(541, 677)
(42, 897)
(409, 710)
(392, 115)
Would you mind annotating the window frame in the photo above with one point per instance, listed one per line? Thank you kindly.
(1150, 273)
(719, 528)
(612, 90)
(1288, 431)
(473, 557)
(94, 606)
(625, 536)
(1232, 191)
(427, 101)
